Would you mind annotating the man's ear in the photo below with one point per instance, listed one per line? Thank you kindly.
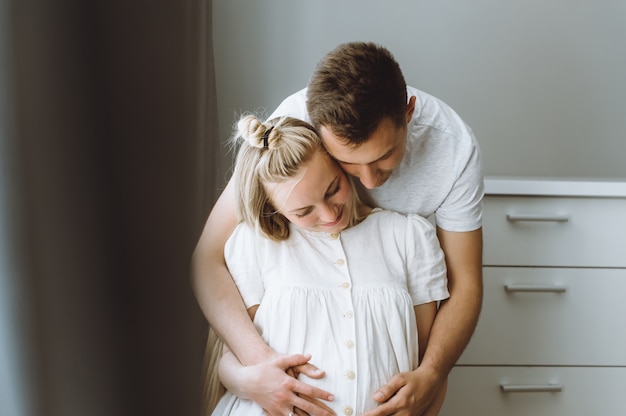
(410, 108)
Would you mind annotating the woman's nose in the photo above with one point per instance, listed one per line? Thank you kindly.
(328, 212)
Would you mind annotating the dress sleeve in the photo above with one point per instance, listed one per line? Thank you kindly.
(426, 266)
(241, 253)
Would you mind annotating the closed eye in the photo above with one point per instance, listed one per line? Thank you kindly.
(332, 190)
(335, 187)
(304, 212)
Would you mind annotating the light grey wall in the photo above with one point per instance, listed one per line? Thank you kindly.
(541, 82)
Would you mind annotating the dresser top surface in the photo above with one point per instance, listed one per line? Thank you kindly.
(575, 187)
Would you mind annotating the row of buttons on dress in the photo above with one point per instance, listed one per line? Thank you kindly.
(350, 375)
(340, 262)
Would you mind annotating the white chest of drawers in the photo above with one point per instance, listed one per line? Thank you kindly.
(551, 339)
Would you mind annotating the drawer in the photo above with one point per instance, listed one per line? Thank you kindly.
(554, 231)
(554, 391)
(550, 316)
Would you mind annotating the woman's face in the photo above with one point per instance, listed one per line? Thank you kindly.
(318, 199)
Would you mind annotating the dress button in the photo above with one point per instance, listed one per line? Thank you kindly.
(334, 236)
(340, 262)
(345, 285)
(350, 375)
(348, 315)
(347, 411)
(350, 344)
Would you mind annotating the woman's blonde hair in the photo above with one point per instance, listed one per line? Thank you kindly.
(213, 389)
(272, 152)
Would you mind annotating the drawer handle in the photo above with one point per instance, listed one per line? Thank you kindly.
(536, 288)
(537, 217)
(531, 388)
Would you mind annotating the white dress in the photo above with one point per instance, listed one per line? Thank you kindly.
(347, 299)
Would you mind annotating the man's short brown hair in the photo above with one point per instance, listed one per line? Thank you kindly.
(354, 87)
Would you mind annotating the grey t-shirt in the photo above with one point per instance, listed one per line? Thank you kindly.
(441, 171)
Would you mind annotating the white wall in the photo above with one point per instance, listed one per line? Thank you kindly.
(541, 82)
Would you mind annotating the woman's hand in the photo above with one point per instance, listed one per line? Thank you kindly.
(274, 386)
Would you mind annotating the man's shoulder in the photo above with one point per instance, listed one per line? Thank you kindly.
(293, 106)
(434, 119)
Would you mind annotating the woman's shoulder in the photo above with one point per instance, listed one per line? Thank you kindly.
(243, 237)
(241, 231)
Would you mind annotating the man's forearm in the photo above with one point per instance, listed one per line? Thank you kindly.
(223, 307)
(228, 369)
(457, 317)
(215, 289)
(452, 330)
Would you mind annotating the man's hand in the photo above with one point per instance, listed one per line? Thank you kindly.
(409, 394)
(273, 386)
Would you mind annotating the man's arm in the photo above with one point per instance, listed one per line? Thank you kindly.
(215, 289)
(458, 315)
(413, 393)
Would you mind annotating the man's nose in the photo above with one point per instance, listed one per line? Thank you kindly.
(368, 176)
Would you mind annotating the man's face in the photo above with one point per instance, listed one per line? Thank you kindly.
(374, 160)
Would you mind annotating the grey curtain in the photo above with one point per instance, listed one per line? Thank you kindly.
(113, 131)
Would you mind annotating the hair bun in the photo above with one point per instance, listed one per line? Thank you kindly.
(254, 131)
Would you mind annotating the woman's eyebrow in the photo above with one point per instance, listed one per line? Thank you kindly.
(328, 190)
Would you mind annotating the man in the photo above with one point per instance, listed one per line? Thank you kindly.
(413, 154)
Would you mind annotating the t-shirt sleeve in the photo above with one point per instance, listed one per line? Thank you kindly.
(462, 209)
(293, 106)
(426, 266)
(242, 258)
